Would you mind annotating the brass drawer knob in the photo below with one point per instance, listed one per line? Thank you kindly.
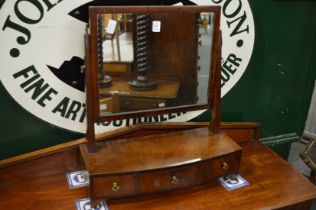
(175, 180)
(115, 187)
(225, 166)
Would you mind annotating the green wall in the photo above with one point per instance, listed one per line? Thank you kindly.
(277, 86)
(23, 132)
(275, 89)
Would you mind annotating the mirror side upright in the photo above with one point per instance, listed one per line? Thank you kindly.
(215, 96)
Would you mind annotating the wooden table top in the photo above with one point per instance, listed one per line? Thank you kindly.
(167, 89)
(157, 151)
(273, 184)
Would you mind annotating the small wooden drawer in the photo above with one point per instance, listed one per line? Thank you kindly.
(130, 103)
(222, 166)
(117, 67)
(158, 163)
(170, 179)
(113, 186)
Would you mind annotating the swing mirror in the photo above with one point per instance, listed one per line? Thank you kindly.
(148, 61)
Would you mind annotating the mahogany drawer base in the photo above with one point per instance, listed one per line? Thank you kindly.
(110, 187)
(140, 166)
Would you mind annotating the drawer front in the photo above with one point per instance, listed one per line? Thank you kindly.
(164, 180)
(170, 179)
(130, 103)
(222, 166)
(113, 186)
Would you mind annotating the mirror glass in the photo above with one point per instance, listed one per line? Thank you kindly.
(153, 61)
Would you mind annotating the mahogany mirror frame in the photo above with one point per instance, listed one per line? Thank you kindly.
(91, 64)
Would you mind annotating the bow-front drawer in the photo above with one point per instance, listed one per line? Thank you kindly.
(169, 179)
(222, 166)
(176, 177)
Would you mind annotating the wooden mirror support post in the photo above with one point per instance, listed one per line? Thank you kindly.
(122, 164)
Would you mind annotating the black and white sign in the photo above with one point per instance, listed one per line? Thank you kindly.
(42, 45)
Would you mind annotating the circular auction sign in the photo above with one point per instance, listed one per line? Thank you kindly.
(42, 51)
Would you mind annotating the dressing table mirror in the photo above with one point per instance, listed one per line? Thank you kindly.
(143, 62)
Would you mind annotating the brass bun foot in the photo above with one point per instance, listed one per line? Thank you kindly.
(143, 83)
(106, 82)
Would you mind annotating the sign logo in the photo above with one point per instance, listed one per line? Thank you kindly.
(43, 39)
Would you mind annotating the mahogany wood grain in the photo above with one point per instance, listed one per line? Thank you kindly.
(185, 176)
(174, 52)
(151, 9)
(165, 89)
(41, 153)
(48, 192)
(90, 95)
(214, 99)
(62, 162)
(132, 103)
(157, 151)
(274, 184)
(246, 130)
(239, 131)
(133, 100)
(157, 181)
(65, 157)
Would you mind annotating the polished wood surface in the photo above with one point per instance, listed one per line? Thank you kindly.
(90, 94)
(274, 184)
(109, 105)
(66, 157)
(41, 153)
(157, 151)
(127, 103)
(167, 89)
(174, 52)
(149, 182)
(40, 166)
(240, 131)
(143, 165)
(117, 67)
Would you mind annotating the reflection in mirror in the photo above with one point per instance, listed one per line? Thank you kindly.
(155, 60)
(117, 38)
(204, 63)
(142, 81)
(104, 80)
